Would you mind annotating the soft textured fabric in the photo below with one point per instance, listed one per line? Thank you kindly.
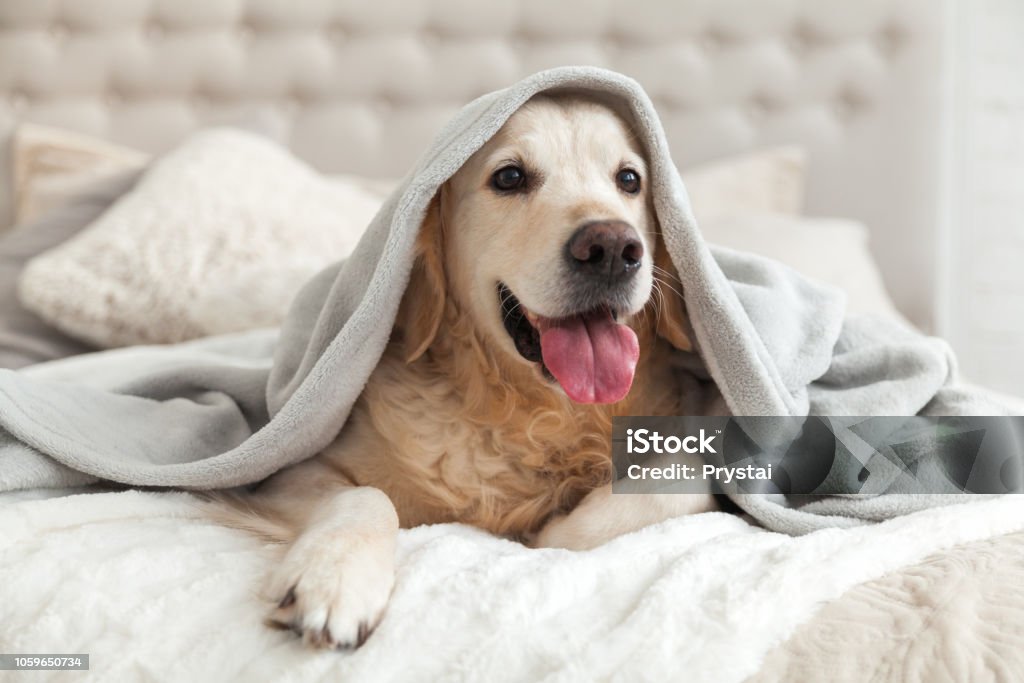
(773, 342)
(144, 583)
(216, 238)
(954, 617)
(25, 338)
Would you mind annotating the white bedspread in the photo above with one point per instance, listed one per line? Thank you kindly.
(152, 591)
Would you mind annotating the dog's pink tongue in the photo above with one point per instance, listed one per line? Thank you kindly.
(592, 356)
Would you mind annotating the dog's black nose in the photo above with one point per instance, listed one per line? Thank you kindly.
(605, 249)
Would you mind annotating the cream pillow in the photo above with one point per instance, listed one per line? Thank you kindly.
(221, 233)
(770, 180)
(217, 236)
(831, 250)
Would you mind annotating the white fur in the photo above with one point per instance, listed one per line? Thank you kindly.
(340, 572)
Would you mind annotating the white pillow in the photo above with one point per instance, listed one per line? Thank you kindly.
(831, 250)
(770, 180)
(221, 233)
(226, 219)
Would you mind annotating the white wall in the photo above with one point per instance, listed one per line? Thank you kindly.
(982, 303)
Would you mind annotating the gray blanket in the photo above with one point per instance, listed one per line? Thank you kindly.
(231, 411)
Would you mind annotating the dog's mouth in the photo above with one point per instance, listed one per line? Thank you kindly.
(591, 355)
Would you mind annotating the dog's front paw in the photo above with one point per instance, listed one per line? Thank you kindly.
(602, 516)
(331, 589)
(586, 527)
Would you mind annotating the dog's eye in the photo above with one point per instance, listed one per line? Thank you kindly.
(508, 178)
(628, 180)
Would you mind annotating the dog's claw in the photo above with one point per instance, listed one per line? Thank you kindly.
(364, 633)
(277, 624)
(332, 584)
(327, 640)
(284, 619)
(288, 600)
(319, 638)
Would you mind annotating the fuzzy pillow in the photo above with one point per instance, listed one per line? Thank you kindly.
(217, 236)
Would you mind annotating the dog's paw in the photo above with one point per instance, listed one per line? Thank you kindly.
(332, 588)
(602, 516)
(586, 527)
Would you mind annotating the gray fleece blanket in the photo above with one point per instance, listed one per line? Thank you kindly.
(233, 410)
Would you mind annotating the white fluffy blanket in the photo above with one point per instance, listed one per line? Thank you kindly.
(153, 591)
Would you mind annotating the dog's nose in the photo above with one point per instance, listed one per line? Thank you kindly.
(609, 249)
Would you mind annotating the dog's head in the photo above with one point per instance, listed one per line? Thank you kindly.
(547, 239)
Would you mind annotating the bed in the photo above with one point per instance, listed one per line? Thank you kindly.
(152, 590)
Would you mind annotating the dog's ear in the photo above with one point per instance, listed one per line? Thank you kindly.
(426, 296)
(671, 309)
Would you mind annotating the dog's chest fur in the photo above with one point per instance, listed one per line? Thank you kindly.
(454, 440)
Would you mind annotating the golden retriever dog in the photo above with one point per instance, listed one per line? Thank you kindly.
(541, 305)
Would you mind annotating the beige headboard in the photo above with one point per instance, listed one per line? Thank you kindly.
(362, 86)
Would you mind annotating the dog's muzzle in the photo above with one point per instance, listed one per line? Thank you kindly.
(591, 355)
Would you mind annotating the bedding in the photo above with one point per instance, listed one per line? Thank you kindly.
(25, 338)
(766, 181)
(152, 590)
(773, 342)
(750, 199)
(956, 616)
(830, 250)
(216, 238)
(220, 236)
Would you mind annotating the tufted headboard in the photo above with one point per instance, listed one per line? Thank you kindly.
(362, 86)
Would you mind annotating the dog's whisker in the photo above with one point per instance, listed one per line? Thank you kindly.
(512, 310)
(667, 279)
(665, 284)
(659, 305)
(667, 274)
(504, 302)
(662, 283)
